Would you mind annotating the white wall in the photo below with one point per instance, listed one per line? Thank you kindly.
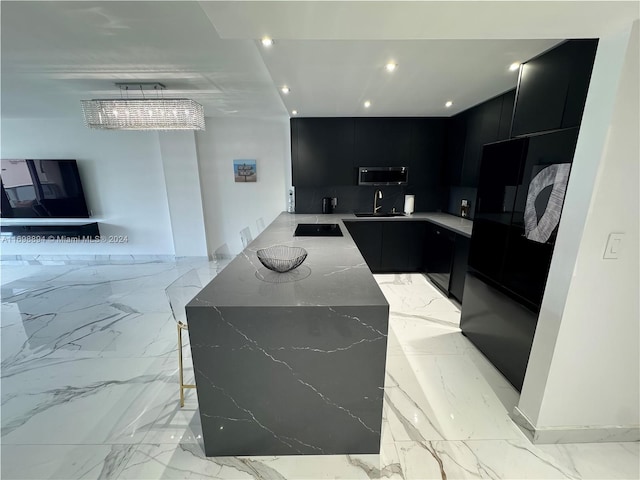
(182, 180)
(228, 206)
(584, 364)
(122, 177)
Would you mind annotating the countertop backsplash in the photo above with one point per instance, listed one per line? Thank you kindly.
(360, 198)
(456, 195)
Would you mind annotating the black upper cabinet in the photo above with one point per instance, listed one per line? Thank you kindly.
(322, 151)
(328, 151)
(456, 137)
(468, 131)
(382, 142)
(506, 115)
(427, 151)
(583, 53)
(553, 87)
(483, 125)
(542, 90)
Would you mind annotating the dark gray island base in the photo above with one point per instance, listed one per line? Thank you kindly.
(294, 363)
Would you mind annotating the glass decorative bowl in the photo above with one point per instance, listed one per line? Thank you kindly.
(282, 258)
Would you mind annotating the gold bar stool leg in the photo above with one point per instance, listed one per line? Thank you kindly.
(179, 293)
(181, 326)
(180, 369)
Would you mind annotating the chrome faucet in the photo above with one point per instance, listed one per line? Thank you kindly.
(376, 196)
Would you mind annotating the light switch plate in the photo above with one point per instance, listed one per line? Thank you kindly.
(614, 245)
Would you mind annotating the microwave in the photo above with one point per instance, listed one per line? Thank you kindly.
(383, 175)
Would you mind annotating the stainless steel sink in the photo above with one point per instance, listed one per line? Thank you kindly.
(371, 214)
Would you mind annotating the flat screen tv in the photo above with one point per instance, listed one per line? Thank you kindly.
(41, 189)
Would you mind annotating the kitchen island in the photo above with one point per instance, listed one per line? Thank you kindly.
(291, 363)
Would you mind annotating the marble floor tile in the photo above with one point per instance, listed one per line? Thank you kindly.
(595, 461)
(33, 273)
(412, 296)
(63, 462)
(89, 389)
(443, 397)
(83, 401)
(171, 461)
(506, 393)
(96, 332)
(422, 336)
(495, 459)
(176, 425)
(516, 459)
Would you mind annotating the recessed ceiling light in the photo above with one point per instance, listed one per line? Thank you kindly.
(266, 41)
(448, 104)
(294, 112)
(367, 104)
(285, 89)
(390, 67)
(514, 66)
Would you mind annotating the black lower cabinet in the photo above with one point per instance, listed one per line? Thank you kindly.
(459, 267)
(368, 239)
(402, 246)
(501, 328)
(389, 246)
(438, 250)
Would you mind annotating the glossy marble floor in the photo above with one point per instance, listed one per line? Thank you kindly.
(89, 390)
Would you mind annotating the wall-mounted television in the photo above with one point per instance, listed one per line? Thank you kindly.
(41, 189)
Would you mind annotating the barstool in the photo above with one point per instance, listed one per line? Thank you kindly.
(179, 293)
(246, 237)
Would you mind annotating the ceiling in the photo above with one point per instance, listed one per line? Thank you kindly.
(331, 54)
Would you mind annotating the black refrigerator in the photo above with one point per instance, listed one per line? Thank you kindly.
(521, 189)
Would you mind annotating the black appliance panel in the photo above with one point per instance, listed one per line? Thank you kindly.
(542, 150)
(526, 259)
(439, 255)
(383, 175)
(499, 327)
(499, 179)
(488, 245)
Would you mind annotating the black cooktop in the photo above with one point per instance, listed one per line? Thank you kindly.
(318, 230)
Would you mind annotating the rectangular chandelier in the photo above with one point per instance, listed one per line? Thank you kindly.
(143, 113)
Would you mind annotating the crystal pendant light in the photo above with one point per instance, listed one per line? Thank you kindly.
(143, 113)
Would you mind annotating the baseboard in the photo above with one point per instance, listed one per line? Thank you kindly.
(82, 259)
(573, 434)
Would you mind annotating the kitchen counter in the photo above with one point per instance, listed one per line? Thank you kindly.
(461, 226)
(340, 274)
(337, 273)
(291, 363)
(294, 363)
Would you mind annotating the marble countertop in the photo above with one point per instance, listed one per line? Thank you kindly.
(458, 225)
(334, 273)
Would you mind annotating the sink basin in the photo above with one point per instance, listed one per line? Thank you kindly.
(371, 214)
(318, 230)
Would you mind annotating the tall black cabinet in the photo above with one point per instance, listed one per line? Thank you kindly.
(512, 243)
(521, 187)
